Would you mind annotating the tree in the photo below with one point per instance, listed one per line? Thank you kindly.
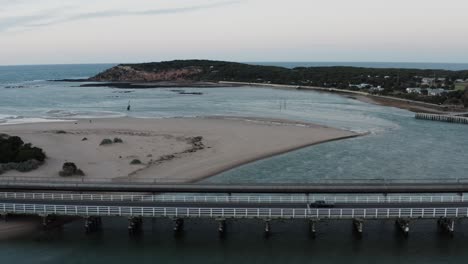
(465, 97)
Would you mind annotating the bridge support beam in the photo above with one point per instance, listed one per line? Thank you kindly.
(178, 225)
(134, 225)
(448, 225)
(358, 225)
(221, 226)
(403, 225)
(92, 224)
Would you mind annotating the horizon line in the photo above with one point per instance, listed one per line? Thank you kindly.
(247, 62)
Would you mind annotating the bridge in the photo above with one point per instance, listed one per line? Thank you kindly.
(403, 201)
(356, 186)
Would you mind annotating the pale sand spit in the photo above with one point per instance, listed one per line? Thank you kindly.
(165, 146)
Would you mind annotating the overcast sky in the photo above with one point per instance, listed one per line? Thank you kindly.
(94, 31)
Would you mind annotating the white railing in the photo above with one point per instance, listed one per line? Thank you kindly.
(266, 213)
(231, 199)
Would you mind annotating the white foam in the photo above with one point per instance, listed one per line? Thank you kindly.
(17, 121)
(58, 113)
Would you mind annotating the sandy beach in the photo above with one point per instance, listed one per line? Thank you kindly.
(168, 148)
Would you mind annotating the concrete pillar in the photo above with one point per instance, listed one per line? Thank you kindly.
(178, 224)
(48, 220)
(267, 227)
(448, 225)
(92, 224)
(312, 230)
(221, 226)
(403, 225)
(134, 224)
(358, 224)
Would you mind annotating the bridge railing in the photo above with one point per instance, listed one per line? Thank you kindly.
(285, 213)
(232, 199)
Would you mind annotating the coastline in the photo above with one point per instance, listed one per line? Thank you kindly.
(411, 105)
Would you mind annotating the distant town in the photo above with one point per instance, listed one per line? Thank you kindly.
(441, 90)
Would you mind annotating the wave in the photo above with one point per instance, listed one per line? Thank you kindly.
(59, 113)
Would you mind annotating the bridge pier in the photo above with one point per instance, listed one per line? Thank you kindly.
(178, 224)
(221, 226)
(448, 225)
(358, 225)
(267, 227)
(403, 225)
(48, 220)
(92, 223)
(134, 225)
(312, 231)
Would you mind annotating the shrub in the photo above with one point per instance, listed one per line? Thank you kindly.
(118, 140)
(135, 162)
(28, 165)
(106, 141)
(70, 169)
(27, 152)
(13, 149)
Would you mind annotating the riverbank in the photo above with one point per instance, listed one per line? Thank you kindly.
(171, 150)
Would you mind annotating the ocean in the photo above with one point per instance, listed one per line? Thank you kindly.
(402, 65)
(398, 147)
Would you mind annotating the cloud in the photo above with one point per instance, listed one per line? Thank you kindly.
(50, 17)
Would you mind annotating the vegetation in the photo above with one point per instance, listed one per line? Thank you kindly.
(16, 155)
(465, 97)
(106, 141)
(70, 169)
(135, 162)
(13, 149)
(118, 140)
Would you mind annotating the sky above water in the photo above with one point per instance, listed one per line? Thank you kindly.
(92, 31)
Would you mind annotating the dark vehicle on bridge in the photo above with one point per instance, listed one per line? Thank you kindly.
(321, 204)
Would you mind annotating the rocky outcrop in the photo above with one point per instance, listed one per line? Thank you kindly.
(122, 73)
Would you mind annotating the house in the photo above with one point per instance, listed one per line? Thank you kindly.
(413, 90)
(376, 89)
(435, 92)
(428, 81)
(360, 86)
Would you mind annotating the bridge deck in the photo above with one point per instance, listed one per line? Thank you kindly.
(368, 187)
(57, 204)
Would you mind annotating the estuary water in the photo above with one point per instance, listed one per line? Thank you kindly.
(397, 147)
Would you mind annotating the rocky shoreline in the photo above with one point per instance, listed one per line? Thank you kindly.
(162, 84)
